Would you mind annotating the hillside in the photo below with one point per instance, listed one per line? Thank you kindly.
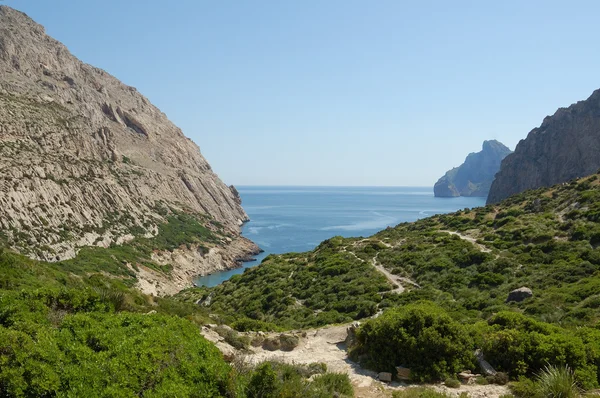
(565, 146)
(474, 177)
(528, 267)
(545, 240)
(87, 161)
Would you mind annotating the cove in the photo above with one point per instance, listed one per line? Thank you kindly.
(297, 219)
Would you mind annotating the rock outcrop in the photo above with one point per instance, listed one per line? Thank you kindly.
(88, 160)
(564, 147)
(474, 177)
(519, 294)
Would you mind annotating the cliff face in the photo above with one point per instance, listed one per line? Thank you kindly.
(564, 147)
(86, 159)
(474, 177)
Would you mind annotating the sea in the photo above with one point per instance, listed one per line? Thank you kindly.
(297, 219)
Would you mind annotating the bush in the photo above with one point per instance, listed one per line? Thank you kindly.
(557, 382)
(499, 378)
(525, 388)
(419, 392)
(421, 336)
(522, 346)
(276, 379)
(233, 338)
(288, 342)
(333, 384)
(452, 383)
(263, 382)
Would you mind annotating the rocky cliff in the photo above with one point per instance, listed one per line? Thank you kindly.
(474, 177)
(87, 160)
(565, 146)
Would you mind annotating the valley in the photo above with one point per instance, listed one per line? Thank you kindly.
(129, 268)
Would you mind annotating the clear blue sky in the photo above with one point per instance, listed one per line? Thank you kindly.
(339, 92)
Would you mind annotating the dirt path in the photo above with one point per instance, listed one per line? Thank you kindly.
(327, 345)
(469, 239)
(394, 279)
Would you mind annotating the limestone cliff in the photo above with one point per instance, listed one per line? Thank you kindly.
(565, 146)
(474, 177)
(88, 160)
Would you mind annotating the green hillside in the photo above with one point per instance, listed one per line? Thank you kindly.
(461, 266)
(76, 329)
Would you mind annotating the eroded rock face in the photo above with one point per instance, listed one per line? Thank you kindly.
(564, 147)
(86, 159)
(474, 177)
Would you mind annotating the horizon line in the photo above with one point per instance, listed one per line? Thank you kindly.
(333, 186)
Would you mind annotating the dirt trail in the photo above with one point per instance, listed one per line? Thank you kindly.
(469, 239)
(395, 280)
(327, 345)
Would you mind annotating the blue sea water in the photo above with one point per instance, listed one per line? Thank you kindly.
(297, 219)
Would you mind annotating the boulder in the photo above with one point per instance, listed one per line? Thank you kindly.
(288, 342)
(272, 344)
(351, 337)
(385, 376)
(403, 373)
(519, 294)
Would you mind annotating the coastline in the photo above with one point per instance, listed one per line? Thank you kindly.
(191, 263)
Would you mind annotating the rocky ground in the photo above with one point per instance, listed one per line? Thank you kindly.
(328, 345)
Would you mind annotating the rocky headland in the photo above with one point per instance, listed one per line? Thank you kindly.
(474, 177)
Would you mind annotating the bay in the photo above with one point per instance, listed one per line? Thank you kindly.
(297, 219)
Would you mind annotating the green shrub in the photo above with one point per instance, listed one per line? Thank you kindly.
(232, 338)
(500, 378)
(264, 382)
(419, 392)
(288, 342)
(525, 388)
(333, 384)
(522, 346)
(557, 382)
(276, 379)
(452, 383)
(421, 336)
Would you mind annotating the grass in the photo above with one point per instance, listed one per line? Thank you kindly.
(557, 382)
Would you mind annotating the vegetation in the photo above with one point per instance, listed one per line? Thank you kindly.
(419, 392)
(421, 336)
(289, 291)
(556, 381)
(276, 379)
(180, 230)
(71, 335)
(77, 328)
(458, 270)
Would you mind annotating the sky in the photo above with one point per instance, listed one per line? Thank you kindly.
(339, 92)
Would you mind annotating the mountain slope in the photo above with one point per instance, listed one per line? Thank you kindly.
(547, 240)
(474, 177)
(565, 146)
(518, 280)
(87, 160)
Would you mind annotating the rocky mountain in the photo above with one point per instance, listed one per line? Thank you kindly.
(474, 177)
(565, 146)
(87, 160)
